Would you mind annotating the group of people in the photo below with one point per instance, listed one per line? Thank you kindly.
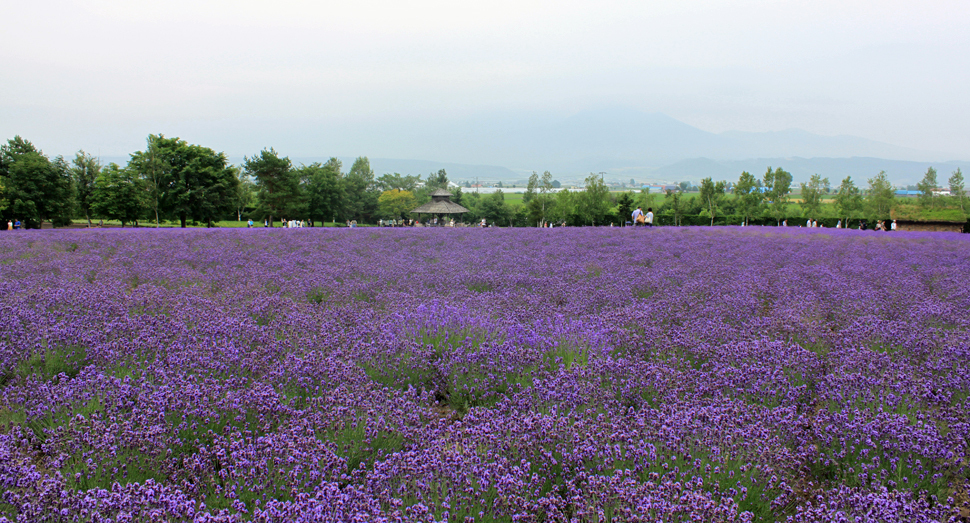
(643, 219)
(287, 224)
(881, 226)
(13, 225)
(396, 223)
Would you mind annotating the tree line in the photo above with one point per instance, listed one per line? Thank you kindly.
(770, 198)
(172, 180)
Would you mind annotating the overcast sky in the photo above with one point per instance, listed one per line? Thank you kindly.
(323, 78)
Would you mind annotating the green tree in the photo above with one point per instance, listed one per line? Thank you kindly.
(848, 201)
(10, 153)
(880, 197)
(185, 181)
(205, 188)
(749, 197)
(812, 196)
(361, 191)
(926, 186)
(457, 195)
(153, 167)
(278, 191)
(593, 202)
(562, 207)
(395, 203)
(395, 181)
(674, 205)
(84, 171)
(645, 200)
(624, 206)
(778, 183)
(494, 209)
(35, 189)
(531, 188)
(711, 194)
(956, 188)
(325, 191)
(119, 194)
(437, 180)
(539, 192)
(245, 193)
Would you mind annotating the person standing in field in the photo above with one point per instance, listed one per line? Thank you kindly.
(9, 225)
(648, 218)
(638, 218)
(893, 226)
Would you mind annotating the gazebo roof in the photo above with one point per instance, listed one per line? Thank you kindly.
(441, 207)
(441, 204)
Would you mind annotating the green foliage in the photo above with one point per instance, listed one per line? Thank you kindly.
(531, 188)
(360, 443)
(119, 194)
(919, 213)
(494, 209)
(538, 198)
(437, 180)
(278, 191)
(67, 360)
(317, 295)
(624, 206)
(324, 189)
(593, 203)
(388, 182)
(674, 206)
(879, 197)
(957, 190)
(926, 186)
(245, 193)
(153, 167)
(396, 203)
(848, 201)
(32, 187)
(84, 172)
(748, 197)
(186, 181)
(361, 192)
(812, 196)
(778, 183)
(712, 194)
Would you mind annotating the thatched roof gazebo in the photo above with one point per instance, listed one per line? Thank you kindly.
(440, 204)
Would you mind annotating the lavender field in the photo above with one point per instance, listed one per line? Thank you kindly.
(676, 374)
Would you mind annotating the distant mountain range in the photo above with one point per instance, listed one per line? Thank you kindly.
(627, 144)
(623, 144)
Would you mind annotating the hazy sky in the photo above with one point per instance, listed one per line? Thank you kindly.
(331, 78)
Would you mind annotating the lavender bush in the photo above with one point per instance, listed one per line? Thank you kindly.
(593, 375)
